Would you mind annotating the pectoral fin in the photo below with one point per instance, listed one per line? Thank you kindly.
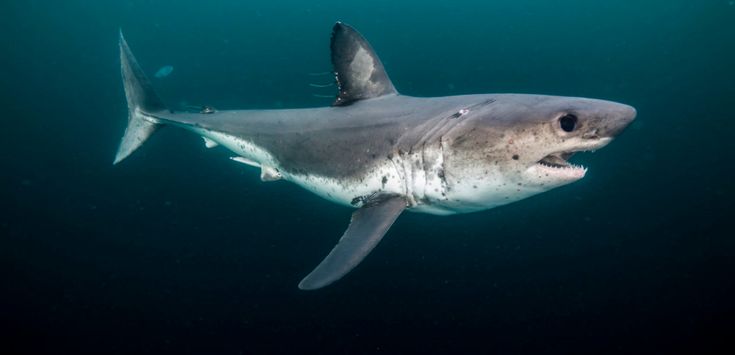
(367, 227)
(209, 143)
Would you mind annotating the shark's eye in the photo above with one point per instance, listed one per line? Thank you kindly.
(568, 122)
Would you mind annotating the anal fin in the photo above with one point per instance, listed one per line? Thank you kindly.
(367, 227)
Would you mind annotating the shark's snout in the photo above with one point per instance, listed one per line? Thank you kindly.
(619, 118)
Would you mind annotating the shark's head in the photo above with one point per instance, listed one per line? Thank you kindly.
(519, 146)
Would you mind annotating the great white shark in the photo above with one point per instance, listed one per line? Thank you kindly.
(382, 152)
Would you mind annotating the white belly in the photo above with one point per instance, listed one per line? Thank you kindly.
(353, 191)
(383, 178)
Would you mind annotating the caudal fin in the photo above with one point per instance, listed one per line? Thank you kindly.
(143, 103)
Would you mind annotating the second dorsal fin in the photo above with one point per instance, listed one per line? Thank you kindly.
(360, 74)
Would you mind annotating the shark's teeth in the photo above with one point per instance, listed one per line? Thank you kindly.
(567, 167)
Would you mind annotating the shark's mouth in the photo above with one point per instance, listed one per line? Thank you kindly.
(557, 160)
(557, 163)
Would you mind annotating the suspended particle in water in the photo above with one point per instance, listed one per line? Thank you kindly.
(164, 71)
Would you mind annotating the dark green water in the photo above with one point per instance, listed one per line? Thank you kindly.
(179, 249)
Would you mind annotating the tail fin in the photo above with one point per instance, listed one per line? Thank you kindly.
(142, 102)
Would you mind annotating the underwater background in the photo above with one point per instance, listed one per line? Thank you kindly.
(179, 249)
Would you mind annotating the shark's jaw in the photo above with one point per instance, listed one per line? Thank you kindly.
(555, 167)
(560, 169)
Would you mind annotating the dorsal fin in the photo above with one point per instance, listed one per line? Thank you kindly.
(358, 70)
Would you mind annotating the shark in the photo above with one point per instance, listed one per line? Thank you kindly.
(383, 153)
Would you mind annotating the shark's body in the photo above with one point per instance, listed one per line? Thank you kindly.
(383, 152)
